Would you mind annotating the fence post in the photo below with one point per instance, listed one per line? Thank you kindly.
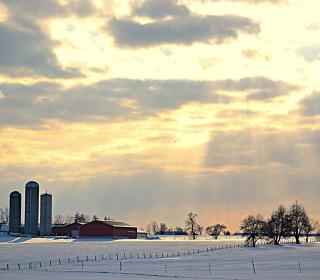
(82, 265)
(209, 269)
(254, 269)
(300, 267)
(7, 266)
(120, 266)
(19, 266)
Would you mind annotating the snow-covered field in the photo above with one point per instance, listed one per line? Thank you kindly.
(97, 259)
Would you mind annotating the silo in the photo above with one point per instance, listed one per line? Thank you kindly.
(15, 212)
(45, 214)
(31, 208)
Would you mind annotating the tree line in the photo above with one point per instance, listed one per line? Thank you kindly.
(77, 218)
(192, 228)
(283, 223)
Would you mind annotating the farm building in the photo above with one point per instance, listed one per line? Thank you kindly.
(72, 230)
(110, 229)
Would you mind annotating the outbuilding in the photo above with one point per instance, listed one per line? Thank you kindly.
(111, 229)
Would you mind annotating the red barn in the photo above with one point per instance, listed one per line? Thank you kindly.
(97, 229)
(71, 230)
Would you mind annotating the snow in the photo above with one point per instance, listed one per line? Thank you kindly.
(270, 262)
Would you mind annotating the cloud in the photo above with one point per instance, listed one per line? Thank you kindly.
(310, 106)
(122, 98)
(26, 50)
(310, 53)
(34, 9)
(257, 88)
(25, 47)
(180, 30)
(159, 9)
(250, 1)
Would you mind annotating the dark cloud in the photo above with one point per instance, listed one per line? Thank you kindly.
(180, 30)
(160, 9)
(34, 9)
(310, 106)
(25, 49)
(20, 104)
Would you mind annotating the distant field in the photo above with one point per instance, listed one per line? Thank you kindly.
(203, 259)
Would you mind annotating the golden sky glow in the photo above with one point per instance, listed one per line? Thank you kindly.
(161, 106)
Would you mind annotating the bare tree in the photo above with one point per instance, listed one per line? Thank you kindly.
(154, 227)
(69, 219)
(278, 226)
(298, 218)
(215, 230)
(148, 229)
(58, 220)
(310, 226)
(192, 227)
(4, 215)
(253, 227)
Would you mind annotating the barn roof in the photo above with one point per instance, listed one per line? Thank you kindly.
(117, 224)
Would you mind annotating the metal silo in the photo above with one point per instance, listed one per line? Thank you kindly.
(31, 208)
(15, 212)
(45, 214)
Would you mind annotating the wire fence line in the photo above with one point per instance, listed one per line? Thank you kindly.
(120, 257)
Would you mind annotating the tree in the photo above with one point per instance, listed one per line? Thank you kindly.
(81, 218)
(154, 227)
(163, 228)
(69, 219)
(95, 218)
(310, 225)
(192, 227)
(58, 220)
(253, 227)
(148, 229)
(179, 231)
(4, 215)
(215, 230)
(298, 218)
(278, 226)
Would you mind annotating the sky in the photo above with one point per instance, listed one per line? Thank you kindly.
(147, 110)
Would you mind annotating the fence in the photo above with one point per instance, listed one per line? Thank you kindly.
(124, 256)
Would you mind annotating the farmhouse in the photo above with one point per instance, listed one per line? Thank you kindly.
(111, 229)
